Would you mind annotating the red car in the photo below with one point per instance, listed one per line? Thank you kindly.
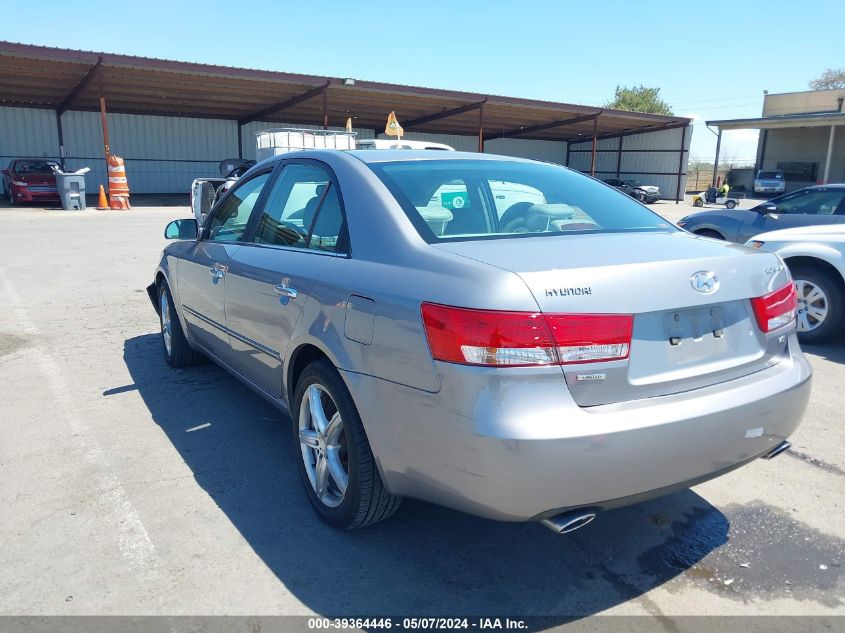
(30, 180)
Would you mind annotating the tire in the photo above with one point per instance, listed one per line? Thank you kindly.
(819, 320)
(698, 203)
(730, 204)
(710, 233)
(177, 351)
(341, 443)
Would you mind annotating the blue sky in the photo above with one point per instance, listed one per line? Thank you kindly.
(711, 62)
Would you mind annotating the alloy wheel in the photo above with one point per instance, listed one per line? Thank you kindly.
(813, 305)
(323, 444)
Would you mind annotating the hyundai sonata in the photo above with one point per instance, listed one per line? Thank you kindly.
(543, 358)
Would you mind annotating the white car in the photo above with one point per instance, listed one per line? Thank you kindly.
(389, 143)
(815, 255)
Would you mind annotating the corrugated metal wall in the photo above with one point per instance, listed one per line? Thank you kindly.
(549, 151)
(654, 159)
(163, 154)
(27, 132)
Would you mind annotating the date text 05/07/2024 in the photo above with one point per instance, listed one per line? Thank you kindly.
(422, 623)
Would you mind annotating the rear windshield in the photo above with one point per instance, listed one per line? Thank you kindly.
(34, 166)
(770, 175)
(485, 199)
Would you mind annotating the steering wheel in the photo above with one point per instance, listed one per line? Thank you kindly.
(290, 232)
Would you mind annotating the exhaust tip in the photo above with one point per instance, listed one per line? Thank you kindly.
(777, 450)
(569, 521)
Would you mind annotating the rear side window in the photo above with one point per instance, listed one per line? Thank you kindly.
(302, 211)
(490, 199)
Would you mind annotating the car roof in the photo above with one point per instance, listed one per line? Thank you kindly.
(394, 155)
(369, 156)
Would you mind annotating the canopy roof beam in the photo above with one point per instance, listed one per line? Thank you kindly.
(68, 101)
(547, 126)
(284, 105)
(442, 115)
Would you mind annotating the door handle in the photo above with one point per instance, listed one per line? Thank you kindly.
(285, 291)
(217, 272)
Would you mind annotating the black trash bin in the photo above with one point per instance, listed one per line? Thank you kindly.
(71, 187)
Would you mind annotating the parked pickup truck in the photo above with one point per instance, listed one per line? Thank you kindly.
(204, 191)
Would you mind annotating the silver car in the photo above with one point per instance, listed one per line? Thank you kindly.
(583, 355)
(815, 256)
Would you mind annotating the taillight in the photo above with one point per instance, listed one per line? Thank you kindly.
(589, 338)
(496, 338)
(776, 309)
(482, 337)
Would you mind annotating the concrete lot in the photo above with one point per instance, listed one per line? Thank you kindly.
(131, 488)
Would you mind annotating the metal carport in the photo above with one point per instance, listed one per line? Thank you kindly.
(64, 82)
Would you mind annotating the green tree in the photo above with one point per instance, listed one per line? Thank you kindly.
(639, 99)
(829, 80)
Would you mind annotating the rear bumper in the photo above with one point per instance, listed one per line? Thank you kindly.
(514, 446)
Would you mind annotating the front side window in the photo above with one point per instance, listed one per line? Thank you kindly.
(229, 220)
(814, 202)
(490, 199)
(302, 211)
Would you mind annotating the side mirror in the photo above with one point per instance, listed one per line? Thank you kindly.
(766, 207)
(182, 230)
(5, 172)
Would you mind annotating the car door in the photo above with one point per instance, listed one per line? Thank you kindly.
(201, 274)
(292, 238)
(808, 207)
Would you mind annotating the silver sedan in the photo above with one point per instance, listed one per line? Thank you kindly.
(508, 338)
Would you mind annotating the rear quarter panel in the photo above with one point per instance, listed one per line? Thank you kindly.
(398, 351)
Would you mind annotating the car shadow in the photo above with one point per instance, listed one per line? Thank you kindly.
(425, 559)
(834, 352)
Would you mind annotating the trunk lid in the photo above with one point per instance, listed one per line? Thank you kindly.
(682, 338)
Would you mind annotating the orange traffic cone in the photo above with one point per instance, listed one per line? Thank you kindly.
(102, 203)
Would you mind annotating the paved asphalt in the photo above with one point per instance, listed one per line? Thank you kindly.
(130, 488)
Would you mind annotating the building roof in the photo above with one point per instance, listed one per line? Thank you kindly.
(65, 79)
(813, 119)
